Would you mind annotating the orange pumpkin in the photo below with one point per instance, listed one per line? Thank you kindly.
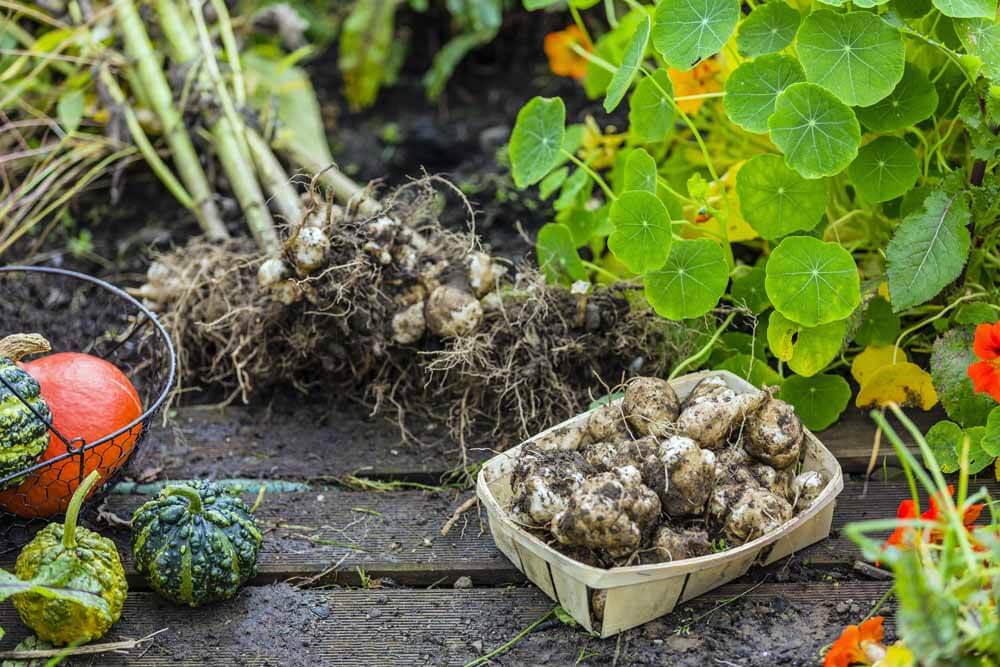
(90, 398)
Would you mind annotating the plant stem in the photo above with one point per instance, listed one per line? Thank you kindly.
(190, 494)
(601, 270)
(343, 188)
(73, 511)
(232, 50)
(140, 48)
(17, 346)
(275, 179)
(590, 172)
(706, 348)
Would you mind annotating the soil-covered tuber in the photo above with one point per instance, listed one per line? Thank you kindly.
(672, 544)
(611, 511)
(650, 406)
(607, 424)
(806, 488)
(774, 434)
(756, 512)
(713, 411)
(543, 481)
(682, 474)
(452, 312)
(567, 436)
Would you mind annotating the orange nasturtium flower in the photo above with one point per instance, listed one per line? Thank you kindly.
(985, 374)
(903, 536)
(858, 645)
(563, 60)
(700, 79)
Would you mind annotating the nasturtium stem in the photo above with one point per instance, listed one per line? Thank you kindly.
(188, 493)
(706, 348)
(578, 20)
(665, 184)
(590, 172)
(601, 270)
(609, 10)
(923, 323)
(700, 96)
(73, 511)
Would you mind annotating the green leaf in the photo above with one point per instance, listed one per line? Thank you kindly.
(737, 342)
(640, 171)
(946, 440)
(975, 313)
(69, 109)
(691, 283)
(928, 249)
(884, 169)
(967, 9)
(818, 133)
(775, 200)
(818, 400)
(981, 37)
(857, 56)
(991, 438)
(753, 87)
(625, 74)
(685, 31)
(48, 583)
(532, 5)
(748, 289)
(806, 350)
(812, 282)
(642, 237)
(537, 139)
(366, 39)
(950, 359)
(751, 369)
(557, 255)
(912, 100)
(879, 326)
(651, 115)
(552, 182)
(769, 28)
(571, 189)
(911, 9)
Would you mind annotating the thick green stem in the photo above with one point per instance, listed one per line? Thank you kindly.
(189, 494)
(283, 195)
(157, 90)
(73, 511)
(343, 188)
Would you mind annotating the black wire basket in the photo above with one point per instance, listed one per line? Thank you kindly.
(79, 313)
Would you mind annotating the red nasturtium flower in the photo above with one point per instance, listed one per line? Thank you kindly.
(903, 536)
(563, 60)
(985, 374)
(858, 645)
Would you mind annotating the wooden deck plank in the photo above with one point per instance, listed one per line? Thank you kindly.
(278, 625)
(395, 535)
(309, 442)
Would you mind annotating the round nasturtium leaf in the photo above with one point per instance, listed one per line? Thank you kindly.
(753, 87)
(884, 169)
(902, 383)
(640, 171)
(650, 114)
(775, 200)
(967, 9)
(769, 28)
(950, 359)
(684, 31)
(912, 100)
(622, 79)
(642, 235)
(812, 282)
(991, 438)
(818, 133)
(981, 37)
(557, 254)
(806, 350)
(873, 358)
(857, 56)
(879, 325)
(818, 400)
(947, 439)
(753, 370)
(748, 289)
(537, 139)
(692, 281)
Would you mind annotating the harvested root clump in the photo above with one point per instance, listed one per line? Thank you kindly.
(544, 481)
(419, 317)
(651, 499)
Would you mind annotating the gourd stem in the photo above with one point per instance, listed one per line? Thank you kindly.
(16, 346)
(188, 493)
(73, 511)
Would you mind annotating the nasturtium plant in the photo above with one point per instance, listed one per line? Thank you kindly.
(827, 169)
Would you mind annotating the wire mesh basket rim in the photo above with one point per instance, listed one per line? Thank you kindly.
(164, 337)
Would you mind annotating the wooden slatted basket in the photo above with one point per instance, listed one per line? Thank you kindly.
(638, 594)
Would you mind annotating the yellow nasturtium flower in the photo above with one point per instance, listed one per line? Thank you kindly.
(700, 79)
